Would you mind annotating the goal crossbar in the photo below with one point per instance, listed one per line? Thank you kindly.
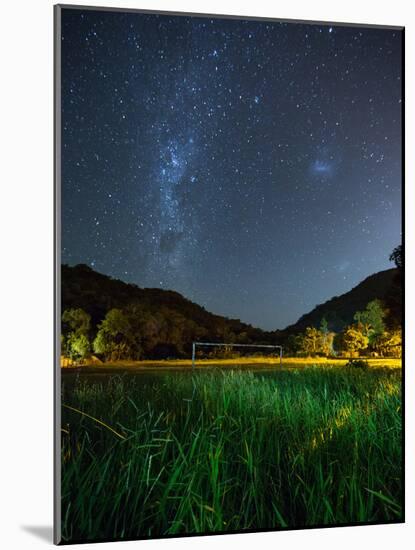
(222, 344)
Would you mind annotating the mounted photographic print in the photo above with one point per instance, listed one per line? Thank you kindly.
(229, 274)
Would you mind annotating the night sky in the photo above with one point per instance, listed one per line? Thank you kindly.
(253, 166)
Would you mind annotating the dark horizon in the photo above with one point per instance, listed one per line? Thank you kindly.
(253, 167)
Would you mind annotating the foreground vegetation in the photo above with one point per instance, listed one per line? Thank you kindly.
(133, 334)
(229, 451)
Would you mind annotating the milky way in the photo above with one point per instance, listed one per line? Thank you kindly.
(253, 166)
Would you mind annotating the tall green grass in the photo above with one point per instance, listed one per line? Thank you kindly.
(229, 451)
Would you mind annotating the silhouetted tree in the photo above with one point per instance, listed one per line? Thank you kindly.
(397, 256)
(294, 344)
(76, 320)
(393, 299)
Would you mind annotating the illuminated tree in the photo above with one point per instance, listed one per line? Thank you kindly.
(76, 324)
(79, 345)
(312, 341)
(389, 344)
(327, 343)
(116, 338)
(370, 321)
(327, 338)
(353, 340)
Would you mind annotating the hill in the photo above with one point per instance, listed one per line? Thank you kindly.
(96, 293)
(167, 322)
(339, 311)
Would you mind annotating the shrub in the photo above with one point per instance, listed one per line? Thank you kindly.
(358, 364)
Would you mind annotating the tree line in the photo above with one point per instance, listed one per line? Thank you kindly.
(367, 335)
(134, 333)
(129, 333)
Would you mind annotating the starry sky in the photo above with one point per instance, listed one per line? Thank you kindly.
(253, 166)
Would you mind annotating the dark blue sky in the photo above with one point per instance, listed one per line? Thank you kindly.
(253, 166)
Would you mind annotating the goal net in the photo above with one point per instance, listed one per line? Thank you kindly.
(255, 353)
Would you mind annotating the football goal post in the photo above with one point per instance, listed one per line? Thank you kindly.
(223, 345)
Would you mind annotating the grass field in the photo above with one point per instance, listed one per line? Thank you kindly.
(250, 361)
(214, 451)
